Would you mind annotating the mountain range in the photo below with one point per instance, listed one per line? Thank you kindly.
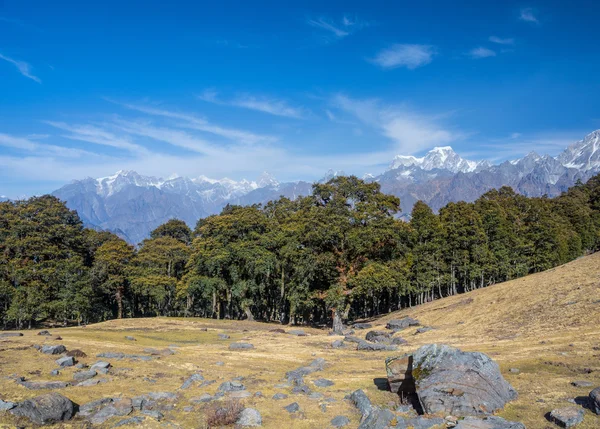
(131, 205)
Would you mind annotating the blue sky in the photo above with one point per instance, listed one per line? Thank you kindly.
(230, 89)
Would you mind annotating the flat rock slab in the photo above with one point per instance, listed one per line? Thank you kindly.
(119, 355)
(121, 407)
(362, 326)
(567, 417)
(374, 347)
(132, 421)
(449, 381)
(292, 408)
(191, 380)
(41, 385)
(46, 409)
(6, 405)
(231, 386)
(92, 382)
(399, 324)
(54, 350)
(340, 421)
(10, 334)
(84, 375)
(100, 365)
(582, 383)
(492, 422)
(297, 332)
(323, 382)
(240, 346)
(66, 361)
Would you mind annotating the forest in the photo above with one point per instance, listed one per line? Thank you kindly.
(335, 256)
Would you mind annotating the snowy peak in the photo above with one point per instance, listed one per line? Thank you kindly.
(267, 180)
(583, 155)
(443, 158)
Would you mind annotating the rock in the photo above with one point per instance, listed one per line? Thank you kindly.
(130, 338)
(378, 336)
(315, 395)
(76, 353)
(362, 326)
(6, 405)
(155, 352)
(42, 385)
(297, 332)
(301, 390)
(421, 422)
(340, 421)
(119, 355)
(45, 333)
(337, 344)
(352, 339)
(92, 382)
(157, 415)
(231, 386)
(55, 372)
(514, 371)
(121, 407)
(279, 396)
(240, 346)
(277, 331)
(296, 376)
(249, 417)
(259, 394)
(100, 365)
(223, 337)
(399, 324)
(491, 422)
(323, 382)
(292, 408)
(423, 330)
(450, 381)
(81, 366)
(595, 400)
(193, 378)
(132, 421)
(398, 341)
(84, 375)
(46, 409)
(361, 402)
(65, 361)
(219, 363)
(90, 408)
(161, 396)
(11, 334)
(379, 419)
(567, 417)
(582, 383)
(205, 397)
(363, 345)
(54, 350)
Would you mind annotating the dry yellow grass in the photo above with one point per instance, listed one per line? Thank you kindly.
(547, 325)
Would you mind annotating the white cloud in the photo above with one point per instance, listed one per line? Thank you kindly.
(501, 41)
(528, 15)
(23, 67)
(26, 145)
(338, 30)
(323, 24)
(481, 52)
(404, 55)
(263, 104)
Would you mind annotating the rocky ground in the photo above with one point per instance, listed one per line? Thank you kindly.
(541, 330)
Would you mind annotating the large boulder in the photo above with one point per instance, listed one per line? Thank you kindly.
(378, 336)
(450, 381)
(54, 350)
(46, 409)
(567, 417)
(399, 324)
(595, 400)
(249, 417)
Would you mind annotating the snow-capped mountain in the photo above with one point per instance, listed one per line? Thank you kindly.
(131, 204)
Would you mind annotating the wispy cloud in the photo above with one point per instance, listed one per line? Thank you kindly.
(323, 24)
(528, 15)
(23, 67)
(502, 41)
(345, 27)
(481, 52)
(263, 104)
(26, 145)
(404, 55)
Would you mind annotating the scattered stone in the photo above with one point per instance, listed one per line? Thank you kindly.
(46, 409)
(514, 371)
(398, 341)
(130, 338)
(119, 355)
(58, 338)
(423, 330)
(421, 422)
(491, 422)
(42, 385)
(292, 408)
(277, 331)
(240, 394)
(362, 326)
(66, 361)
(37, 347)
(231, 386)
(157, 415)
(249, 417)
(130, 421)
(122, 407)
(337, 344)
(161, 396)
(193, 378)
(81, 366)
(92, 382)
(595, 400)
(11, 334)
(399, 324)
(297, 332)
(315, 395)
(84, 375)
(45, 333)
(362, 402)
(450, 381)
(55, 372)
(323, 382)
(340, 421)
(54, 350)
(223, 337)
(352, 339)
(567, 417)
(379, 419)
(582, 383)
(100, 365)
(6, 405)
(240, 346)
(301, 389)
(205, 397)
(378, 336)
(259, 394)
(76, 353)
(155, 352)
(188, 409)
(279, 396)
(90, 408)
(364, 345)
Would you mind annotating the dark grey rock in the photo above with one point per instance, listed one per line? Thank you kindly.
(46, 409)
(161, 396)
(45, 333)
(399, 324)
(279, 396)
(337, 344)
(231, 386)
(301, 390)
(119, 355)
(6, 405)
(193, 378)
(90, 408)
(362, 402)
(364, 345)
(100, 365)
(378, 336)
(340, 421)
(421, 422)
(582, 383)
(81, 366)
(398, 341)
(351, 339)
(84, 375)
(315, 395)
(240, 346)
(567, 417)
(323, 382)
(595, 400)
(130, 421)
(157, 415)
(205, 397)
(292, 408)
(423, 330)
(450, 381)
(42, 385)
(55, 372)
(11, 334)
(223, 337)
(297, 332)
(378, 419)
(65, 361)
(121, 407)
(362, 326)
(491, 422)
(130, 338)
(54, 350)
(249, 417)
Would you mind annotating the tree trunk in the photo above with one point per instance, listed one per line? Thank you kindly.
(119, 297)
(338, 324)
(249, 314)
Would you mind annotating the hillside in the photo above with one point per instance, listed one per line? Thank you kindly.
(545, 325)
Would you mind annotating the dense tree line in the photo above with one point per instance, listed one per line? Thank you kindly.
(336, 255)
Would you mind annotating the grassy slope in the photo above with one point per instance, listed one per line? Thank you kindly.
(545, 324)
